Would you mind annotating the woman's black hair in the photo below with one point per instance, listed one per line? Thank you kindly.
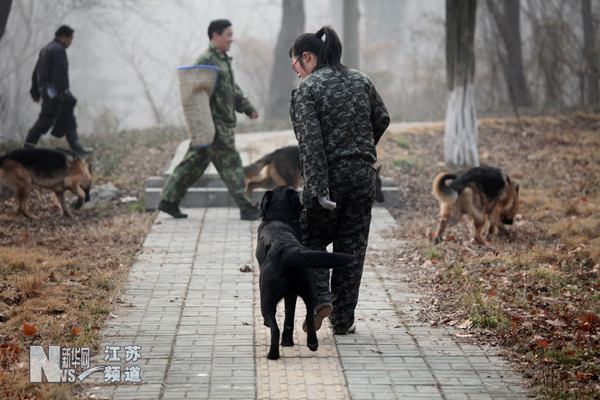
(328, 52)
(218, 26)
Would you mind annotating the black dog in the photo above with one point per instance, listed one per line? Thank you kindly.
(285, 266)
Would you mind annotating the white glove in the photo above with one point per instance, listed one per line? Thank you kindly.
(326, 202)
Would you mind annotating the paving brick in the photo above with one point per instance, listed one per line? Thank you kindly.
(197, 318)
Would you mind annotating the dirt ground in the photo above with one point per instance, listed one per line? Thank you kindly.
(534, 294)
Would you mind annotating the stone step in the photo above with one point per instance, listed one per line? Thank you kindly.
(210, 191)
(214, 180)
(219, 197)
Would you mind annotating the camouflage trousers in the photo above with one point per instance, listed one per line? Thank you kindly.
(227, 161)
(352, 187)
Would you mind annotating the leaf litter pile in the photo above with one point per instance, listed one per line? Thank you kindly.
(59, 278)
(534, 293)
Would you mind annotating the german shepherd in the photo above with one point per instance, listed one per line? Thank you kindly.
(58, 170)
(282, 168)
(481, 193)
(286, 266)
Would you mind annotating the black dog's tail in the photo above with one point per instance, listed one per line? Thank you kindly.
(317, 259)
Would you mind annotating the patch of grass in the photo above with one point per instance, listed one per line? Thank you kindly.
(484, 309)
(138, 206)
(106, 284)
(433, 254)
(30, 285)
(403, 142)
(402, 164)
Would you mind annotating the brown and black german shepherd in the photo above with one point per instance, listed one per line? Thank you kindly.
(58, 170)
(482, 193)
(282, 168)
(287, 267)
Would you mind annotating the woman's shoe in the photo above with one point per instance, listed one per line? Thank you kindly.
(322, 311)
(352, 329)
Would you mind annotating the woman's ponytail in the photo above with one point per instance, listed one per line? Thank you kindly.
(328, 52)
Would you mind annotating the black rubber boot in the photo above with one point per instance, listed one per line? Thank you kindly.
(171, 208)
(80, 150)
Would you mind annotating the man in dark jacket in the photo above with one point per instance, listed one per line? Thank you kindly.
(50, 82)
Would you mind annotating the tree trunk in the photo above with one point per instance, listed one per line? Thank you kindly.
(282, 76)
(4, 11)
(461, 133)
(591, 58)
(508, 23)
(351, 53)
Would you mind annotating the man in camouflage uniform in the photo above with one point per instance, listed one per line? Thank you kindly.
(338, 118)
(226, 99)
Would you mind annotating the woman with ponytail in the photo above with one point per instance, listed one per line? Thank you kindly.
(338, 118)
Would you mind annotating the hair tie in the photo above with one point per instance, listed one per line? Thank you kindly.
(320, 33)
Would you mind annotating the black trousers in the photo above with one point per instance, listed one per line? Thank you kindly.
(352, 187)
(60, 117)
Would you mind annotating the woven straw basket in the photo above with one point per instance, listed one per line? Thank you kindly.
(196, 84)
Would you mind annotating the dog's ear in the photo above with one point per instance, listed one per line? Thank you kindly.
(293, 199)
(265, 203)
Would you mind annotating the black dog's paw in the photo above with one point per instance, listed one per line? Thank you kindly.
(273, 355)
(313, 346)
(287, 342)
(79, 203)
(437, 240)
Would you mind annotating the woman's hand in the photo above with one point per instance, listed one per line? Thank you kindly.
(326, 202)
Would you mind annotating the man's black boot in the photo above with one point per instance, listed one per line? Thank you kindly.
(171, 208)
(80, 150)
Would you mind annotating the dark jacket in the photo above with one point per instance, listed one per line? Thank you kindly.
(52, 68)
(337, 115)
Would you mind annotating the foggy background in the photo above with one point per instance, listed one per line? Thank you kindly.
(124, 57)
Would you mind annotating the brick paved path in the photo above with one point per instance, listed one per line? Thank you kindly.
(196, 317)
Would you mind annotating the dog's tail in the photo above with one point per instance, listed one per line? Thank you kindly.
(252, 170)
(443, 192)
(317, 259)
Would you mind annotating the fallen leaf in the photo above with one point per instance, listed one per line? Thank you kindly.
(464, 334)
(467, 324)
(76, 331)
(246, 268)
(28, 330)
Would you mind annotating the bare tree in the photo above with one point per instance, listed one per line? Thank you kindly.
(351, 53)
(461, 133)
(589, 50)
(507, 19)
(283, 77)
(4, 11)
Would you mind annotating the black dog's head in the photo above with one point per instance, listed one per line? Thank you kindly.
(281, 204)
